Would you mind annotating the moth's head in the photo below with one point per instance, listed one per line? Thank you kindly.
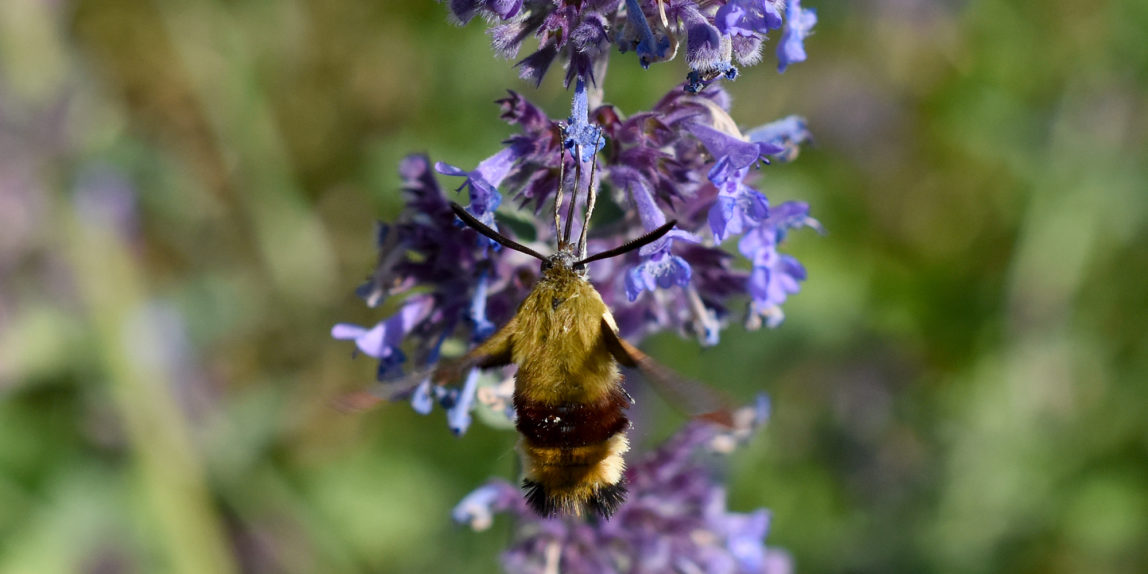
(562, 263)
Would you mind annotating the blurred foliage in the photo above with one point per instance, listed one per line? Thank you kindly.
(187, 191)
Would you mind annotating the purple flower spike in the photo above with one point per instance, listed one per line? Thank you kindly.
(684, 159)
(427, 250)
(580, 34)
(579, 132)
(799, 23)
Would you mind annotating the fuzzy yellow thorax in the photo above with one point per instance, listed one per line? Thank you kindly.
(558, 345)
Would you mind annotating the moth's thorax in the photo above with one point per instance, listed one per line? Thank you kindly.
(559, 348)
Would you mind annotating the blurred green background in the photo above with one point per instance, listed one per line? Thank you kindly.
(187, 195)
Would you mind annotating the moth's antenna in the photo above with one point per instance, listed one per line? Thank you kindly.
(591, 199)
(558, 197)
(632, 244)
(501, 239)
(574, 193)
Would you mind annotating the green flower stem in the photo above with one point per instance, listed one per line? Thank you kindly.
(169, 469)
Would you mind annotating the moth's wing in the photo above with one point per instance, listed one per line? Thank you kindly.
(381, 392)
(494, 352)
(693, 398)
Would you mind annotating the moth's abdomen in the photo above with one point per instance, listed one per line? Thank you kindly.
(572, 454)
(572, 424)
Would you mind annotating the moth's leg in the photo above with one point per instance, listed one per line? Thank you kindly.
(493, 352)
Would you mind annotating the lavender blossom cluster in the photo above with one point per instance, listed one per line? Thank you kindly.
(677, 520)
(580, 33)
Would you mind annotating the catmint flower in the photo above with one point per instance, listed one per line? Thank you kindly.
(478, 508)
(799, 23)
(458, 414)
(775, 276)
(659, 267)
(384, 339)
(482, 183)
(788, 133)
(675, 519)
(748, 18)
(709, 52)
(641, 38)
(464, 10)
(483, 327)
(738, 207)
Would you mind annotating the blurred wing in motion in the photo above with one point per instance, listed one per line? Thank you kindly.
(381, 392)
(692, 398)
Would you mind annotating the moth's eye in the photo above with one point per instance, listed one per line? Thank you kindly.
(580, 267)
(546, 264)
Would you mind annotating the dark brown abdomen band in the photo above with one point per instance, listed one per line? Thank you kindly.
(572, 424)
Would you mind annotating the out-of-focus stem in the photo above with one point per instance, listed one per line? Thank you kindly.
(220, 63)
(170, 473)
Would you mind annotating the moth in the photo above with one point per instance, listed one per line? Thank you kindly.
(568, 394)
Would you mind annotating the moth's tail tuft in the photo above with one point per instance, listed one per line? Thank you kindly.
(606, 500)
(602, 500)
(539, 499)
